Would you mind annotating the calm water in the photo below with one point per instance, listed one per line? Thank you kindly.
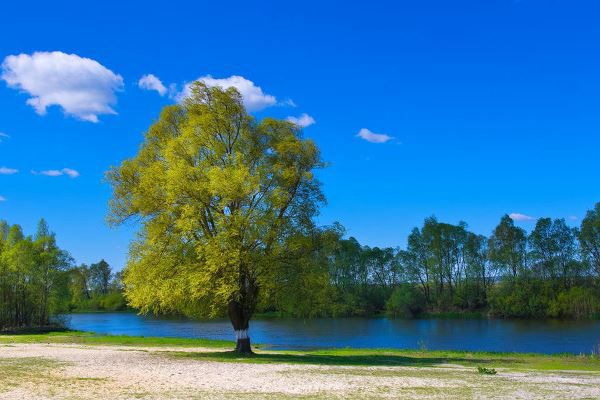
(433, 334)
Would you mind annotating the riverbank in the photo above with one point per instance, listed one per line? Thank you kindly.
(86, 366)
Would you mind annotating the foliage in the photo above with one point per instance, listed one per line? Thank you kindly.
(222, 200)
(589, 238)
(576, 302)
(524, 298)
(33, 280)
(95, 288)
(548, 273)
(308, 293)
(406, 301)
(508, 247)
(486, 371)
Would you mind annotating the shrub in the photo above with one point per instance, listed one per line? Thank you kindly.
(521, 299)
(576, 302)
(486, 371)
(405, 301)
(114, 301)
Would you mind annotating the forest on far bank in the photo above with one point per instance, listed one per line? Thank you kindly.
(551, 272)
(38, 280)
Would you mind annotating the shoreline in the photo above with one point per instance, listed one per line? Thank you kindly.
(86, 366)
(450, 315)
(566, 361)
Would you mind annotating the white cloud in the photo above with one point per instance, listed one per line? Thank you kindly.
(288, 103)
(82, 87)
(520, 217)
(3, 135)
(8, 171)
(2, 198)
(573, 217)
(302, 121)
(372, 137)
(151, 82)
(254, 98)
(71, 173)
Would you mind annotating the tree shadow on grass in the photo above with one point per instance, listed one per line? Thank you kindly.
(341, 360)
(36, 330)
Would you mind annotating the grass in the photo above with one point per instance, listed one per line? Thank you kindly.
(408, 358)
(330, 357)
(91, 338)
(15, 371)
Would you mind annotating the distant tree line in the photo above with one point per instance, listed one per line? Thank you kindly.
(38, 280)
(96, 288)
(552, 272)
(33, 282)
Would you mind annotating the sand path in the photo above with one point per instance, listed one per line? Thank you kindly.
(57, 371)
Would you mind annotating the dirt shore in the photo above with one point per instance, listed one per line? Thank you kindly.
(63, 371)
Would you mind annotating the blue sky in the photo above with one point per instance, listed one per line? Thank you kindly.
(492, 106)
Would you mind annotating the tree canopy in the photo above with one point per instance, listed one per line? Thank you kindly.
(33, 282)
(219, 197)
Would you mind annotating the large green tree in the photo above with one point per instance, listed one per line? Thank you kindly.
(33, 277)
(508, 247)
(219, 196)
(554, 250)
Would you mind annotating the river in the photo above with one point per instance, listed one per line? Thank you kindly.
(433, 334)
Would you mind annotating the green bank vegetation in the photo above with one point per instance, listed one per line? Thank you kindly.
(38, 280)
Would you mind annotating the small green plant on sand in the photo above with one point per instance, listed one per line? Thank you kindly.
(486, 371)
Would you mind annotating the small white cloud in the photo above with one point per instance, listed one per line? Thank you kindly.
(3, 135)
(253, 96)
(520, 217)
(71, 173)
(8, 171)
(573, 218)
(302, 121)
(151, 82)
(372, 137)
(288, 103)
(2, 198)
(50, 172)
(82, 87)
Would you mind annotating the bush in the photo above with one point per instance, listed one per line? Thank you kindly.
(469, 297)
(406, 301)
(521, 299)
(576, 302)
(114, 301)
(486, 371)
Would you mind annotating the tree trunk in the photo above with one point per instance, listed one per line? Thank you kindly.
(240, 320)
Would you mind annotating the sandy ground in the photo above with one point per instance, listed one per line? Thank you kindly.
(38, 371)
